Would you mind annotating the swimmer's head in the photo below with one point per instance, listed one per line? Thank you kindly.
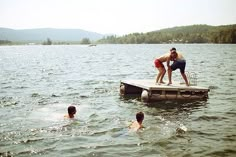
(71, 110)
(140, 117)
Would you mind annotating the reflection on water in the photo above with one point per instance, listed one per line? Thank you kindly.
(38, 83)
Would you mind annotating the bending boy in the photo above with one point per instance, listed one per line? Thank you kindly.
(159, 65)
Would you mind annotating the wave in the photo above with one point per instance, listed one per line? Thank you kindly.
(223, 152)
(208, 118)
(213, 87)
(35, 95)
(8, 101)
(31, 140)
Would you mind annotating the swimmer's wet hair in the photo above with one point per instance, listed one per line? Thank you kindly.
(140, 116)
(71, 110)
(173, 49)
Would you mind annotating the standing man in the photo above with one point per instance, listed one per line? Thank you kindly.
(179, 63)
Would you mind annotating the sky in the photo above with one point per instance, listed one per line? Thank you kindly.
(115, 16)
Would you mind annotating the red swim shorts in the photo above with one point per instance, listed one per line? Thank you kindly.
(158, 64)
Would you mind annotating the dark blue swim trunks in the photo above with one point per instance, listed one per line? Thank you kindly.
(179, 64)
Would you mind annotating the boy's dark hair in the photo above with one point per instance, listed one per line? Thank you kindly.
(173, 49)
(140, 116)
(71, 110)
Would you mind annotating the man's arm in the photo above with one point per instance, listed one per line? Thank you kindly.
(168, 62)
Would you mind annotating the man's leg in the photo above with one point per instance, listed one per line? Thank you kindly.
(162, 75)
(182, 71)
(159, 74)
(185, 78)
(169, 75)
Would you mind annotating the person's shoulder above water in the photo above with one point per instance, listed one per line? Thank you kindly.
(136, 125)
(71, 112)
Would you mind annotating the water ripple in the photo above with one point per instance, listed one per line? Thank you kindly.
(38, 83)
(8, 101)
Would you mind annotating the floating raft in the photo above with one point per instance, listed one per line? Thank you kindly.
(150, 91)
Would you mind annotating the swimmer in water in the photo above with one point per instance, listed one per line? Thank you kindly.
(136, 125)
(71, 112)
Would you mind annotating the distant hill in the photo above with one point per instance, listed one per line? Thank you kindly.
(183, 34)
(39, 35)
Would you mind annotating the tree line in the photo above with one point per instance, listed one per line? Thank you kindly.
(184, 34)
(49, 42)
(5, 42)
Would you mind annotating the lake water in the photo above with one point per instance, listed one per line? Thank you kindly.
(38, 83)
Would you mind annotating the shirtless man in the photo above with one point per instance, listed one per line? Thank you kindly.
(161, 68)
(179, 63)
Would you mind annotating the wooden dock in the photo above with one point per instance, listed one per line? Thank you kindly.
(150, 91)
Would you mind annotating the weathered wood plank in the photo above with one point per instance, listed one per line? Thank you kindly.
(151, 85)
(150, 91)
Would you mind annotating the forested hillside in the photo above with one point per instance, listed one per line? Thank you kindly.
(184, 34)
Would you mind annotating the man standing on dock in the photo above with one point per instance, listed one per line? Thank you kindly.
(179, 63)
